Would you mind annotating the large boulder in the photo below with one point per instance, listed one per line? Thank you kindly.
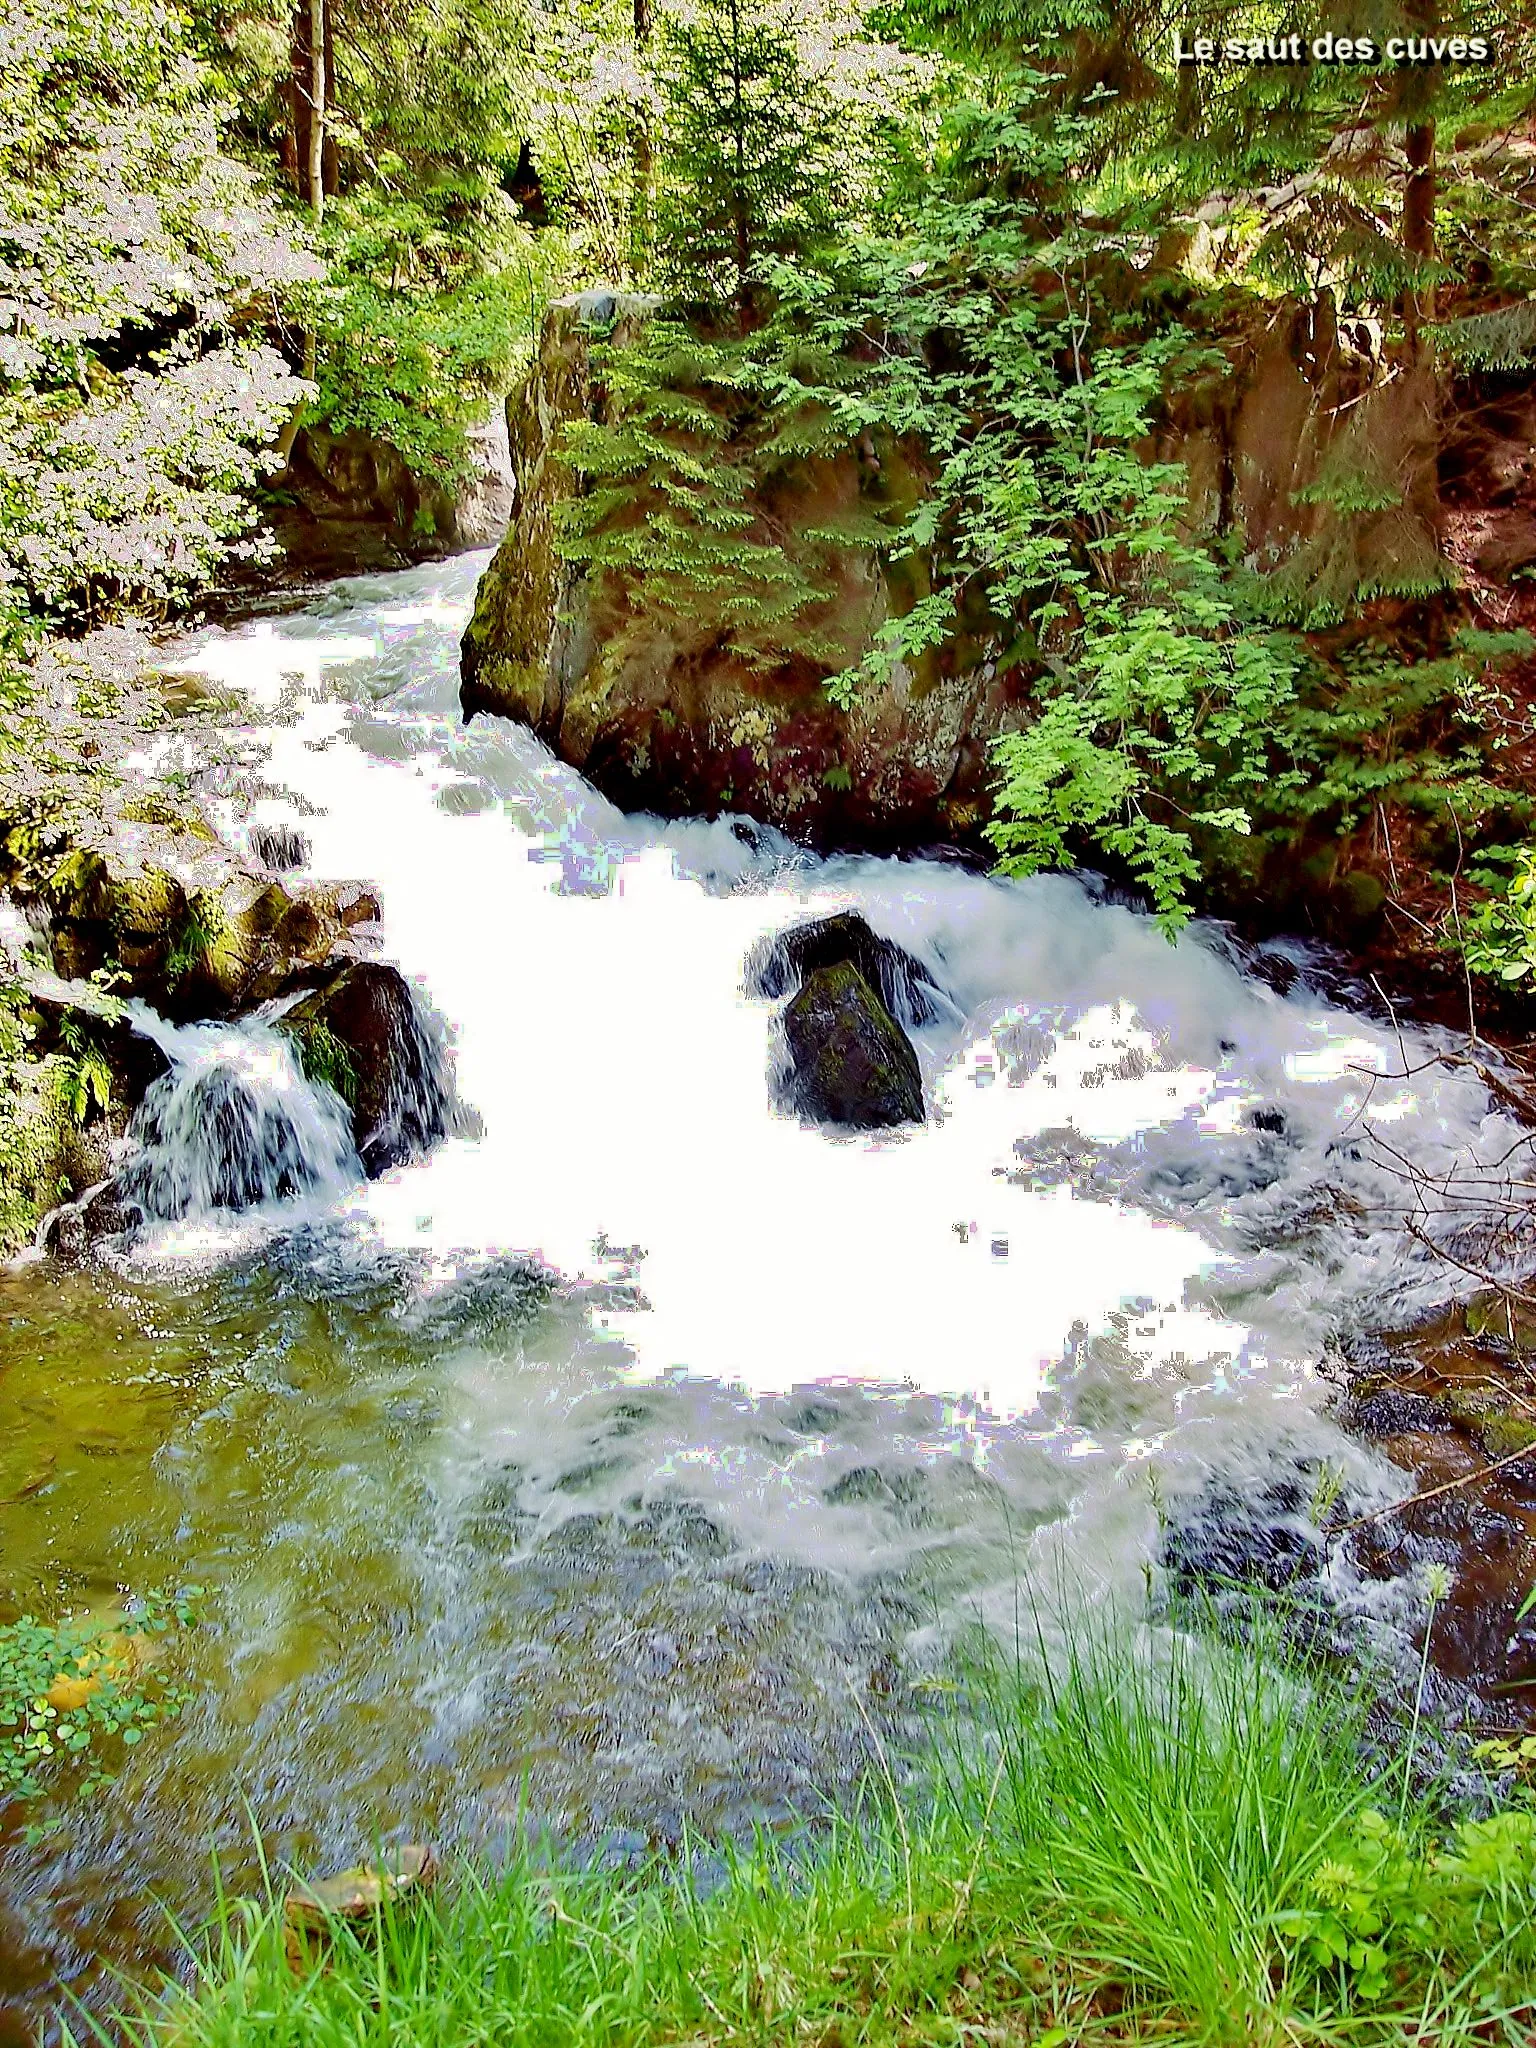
(787, 960)
(366, 1033)
(351, 501)
(658, 713)
(661, 713)
(848, 1060)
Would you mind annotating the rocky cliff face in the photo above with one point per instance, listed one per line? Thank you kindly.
(678, 725)
(673, 722)
(351, 502)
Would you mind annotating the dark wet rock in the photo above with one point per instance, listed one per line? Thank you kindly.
(589, 1474)
(69, 1231)
(366, 1032)
(813, 1417)
(1388, 1412)
(784, 963)
(868, 1486)
(280, 847)
(849, 1061)
(1226, 1540)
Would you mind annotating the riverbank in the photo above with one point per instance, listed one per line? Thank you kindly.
(1158, 1839)
(595, 1472)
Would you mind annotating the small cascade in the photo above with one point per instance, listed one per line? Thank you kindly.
(234, 1124)
(417, 1108)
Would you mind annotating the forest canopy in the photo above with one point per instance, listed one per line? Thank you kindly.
(1016, 239)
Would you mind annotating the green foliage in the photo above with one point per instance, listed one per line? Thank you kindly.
(748, 166)
(136, 384)
(1503, 339)
(427, 307)
(1179, 1844)
(431, 282)
(30, 1180)
(675, 490)
(1500, 932)
(74, 1691)
(202, 929)
(1045, 530)
(327, 1060)
(1293, 172)
(1369, 727)
(82, 1075)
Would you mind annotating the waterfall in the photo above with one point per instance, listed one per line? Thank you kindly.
(234, 1124)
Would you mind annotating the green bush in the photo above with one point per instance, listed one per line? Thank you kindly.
(1500, 933)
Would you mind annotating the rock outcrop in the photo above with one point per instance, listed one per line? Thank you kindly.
(187, 927)
(365, 1032)
(661, 715)
(847, 1059)
(351, 501)
(664, 717)
(677, 724)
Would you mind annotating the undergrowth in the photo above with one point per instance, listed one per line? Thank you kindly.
(1188, 1846)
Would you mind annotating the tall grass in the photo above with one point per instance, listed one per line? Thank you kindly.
(1185, 1847)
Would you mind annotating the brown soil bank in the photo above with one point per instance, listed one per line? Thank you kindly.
(671, 721)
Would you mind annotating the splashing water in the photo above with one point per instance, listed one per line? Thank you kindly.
(576, 1472)
(234, 1124)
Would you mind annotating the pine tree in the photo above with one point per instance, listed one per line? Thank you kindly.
(747, 170)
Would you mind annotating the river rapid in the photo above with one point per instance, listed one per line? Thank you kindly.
(616, 1469)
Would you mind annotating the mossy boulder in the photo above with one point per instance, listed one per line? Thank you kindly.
(787, 960)
(366, 1034)
(848, 1060)
(659, 713)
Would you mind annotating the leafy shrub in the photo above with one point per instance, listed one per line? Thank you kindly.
(427, 307)
(1500, 933)
(140, 262)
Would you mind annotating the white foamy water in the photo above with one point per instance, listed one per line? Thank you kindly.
(1091, 1174)
(639, 1550)
(233, 1125)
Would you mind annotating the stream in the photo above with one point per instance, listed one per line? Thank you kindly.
(614, 1470)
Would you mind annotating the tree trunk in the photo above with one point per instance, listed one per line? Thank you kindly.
(330, 162)
(317, 110)
(300, 66)
(1419, 235)
(640, 157)
(740, 199)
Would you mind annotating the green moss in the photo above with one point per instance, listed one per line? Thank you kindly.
(327, 1060)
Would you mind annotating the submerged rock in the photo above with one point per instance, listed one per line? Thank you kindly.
(366, 1034)
(353, 1899)
(785, 962)
(849, 1061)
(69, 1231)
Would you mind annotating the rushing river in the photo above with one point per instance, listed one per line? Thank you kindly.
(608, 1470)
